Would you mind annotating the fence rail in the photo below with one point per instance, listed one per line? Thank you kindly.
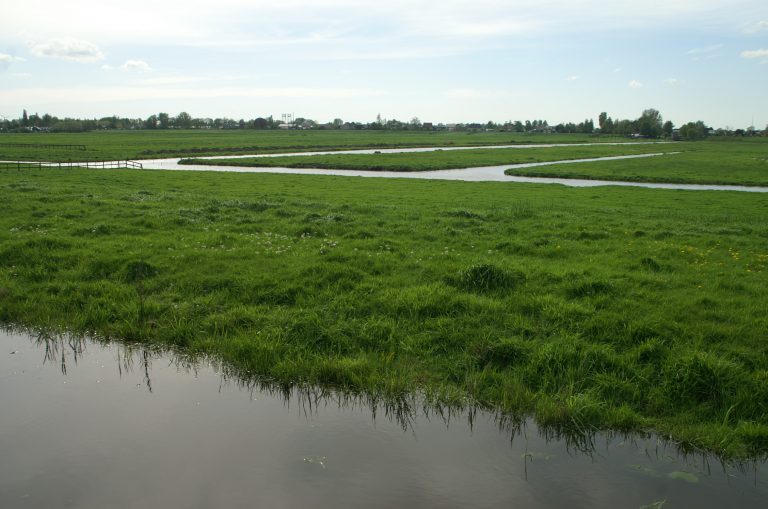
(42, 145)
(18, 165)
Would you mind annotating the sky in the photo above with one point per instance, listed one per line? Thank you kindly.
(438, 60)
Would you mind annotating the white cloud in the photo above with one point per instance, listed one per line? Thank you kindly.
(21, 75)
(71, 50)
(635, 84)
(309, 22)
(757, 53)
(107, 67)
(618, 69)
(136, 65)
(671, 81)
(9, 59)
(572, 78)
(757, 27)
(118, 94)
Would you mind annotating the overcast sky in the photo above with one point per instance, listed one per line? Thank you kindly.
(439, 60)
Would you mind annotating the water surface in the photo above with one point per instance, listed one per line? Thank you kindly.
(475, 174)
(88, 424)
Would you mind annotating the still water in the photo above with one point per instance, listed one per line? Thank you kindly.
(93, 425)
(475, 174)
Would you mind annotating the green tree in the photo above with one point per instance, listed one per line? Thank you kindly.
(668, 128)
(164, 120)
(650, 123)
(601, 120)
(183, 120)
(694, 131)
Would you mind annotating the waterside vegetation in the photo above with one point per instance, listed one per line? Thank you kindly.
(151, 144)
(443, 159)
(727, 161)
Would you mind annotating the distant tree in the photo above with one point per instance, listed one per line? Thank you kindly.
(601, 120)
(183, 120)
(608, 126)
(261, 123)
(415, 123)
(164, 120)
(668, 128)
(24, 119)
(588, 126)
(694, 131)
(650, 123)
(625, 127)
(151, 122)
(337, 123)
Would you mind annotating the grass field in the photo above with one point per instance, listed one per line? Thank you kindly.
(738, 162)
(630, 309)
(441, 160)
(149, 144)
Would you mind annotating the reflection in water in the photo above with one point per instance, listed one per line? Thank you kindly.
(404, 410)
(200, 443)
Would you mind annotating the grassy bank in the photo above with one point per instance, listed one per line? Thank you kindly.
(590, 308)
(440, 160)
(149, 144)
(742, 162)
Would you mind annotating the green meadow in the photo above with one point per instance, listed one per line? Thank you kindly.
(736, 162)
(442, 159)
(588, 309)
(152, 144)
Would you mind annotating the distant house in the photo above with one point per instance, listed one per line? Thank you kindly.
(427, 126)
(286, 126)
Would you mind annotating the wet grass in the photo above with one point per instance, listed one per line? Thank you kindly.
(628, 309)
(736, 162)
(441, 160)
(152, 144)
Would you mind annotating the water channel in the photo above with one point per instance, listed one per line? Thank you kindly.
(475, 174)
(94, 424)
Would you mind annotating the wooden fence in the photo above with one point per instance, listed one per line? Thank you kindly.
(42, 145)
(18, 165)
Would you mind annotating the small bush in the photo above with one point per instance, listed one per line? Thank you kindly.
(589, 289)
(489, 278)
(650, 264)
(507, 352)
(466, 214)
(137, 271)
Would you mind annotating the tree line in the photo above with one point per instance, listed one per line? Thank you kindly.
(649, 124)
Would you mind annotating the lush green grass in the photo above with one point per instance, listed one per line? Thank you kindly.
(589, 308)
(112, 145)
(737, 162)
(440, 160)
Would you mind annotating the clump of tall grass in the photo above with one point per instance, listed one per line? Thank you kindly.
(486, 277)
